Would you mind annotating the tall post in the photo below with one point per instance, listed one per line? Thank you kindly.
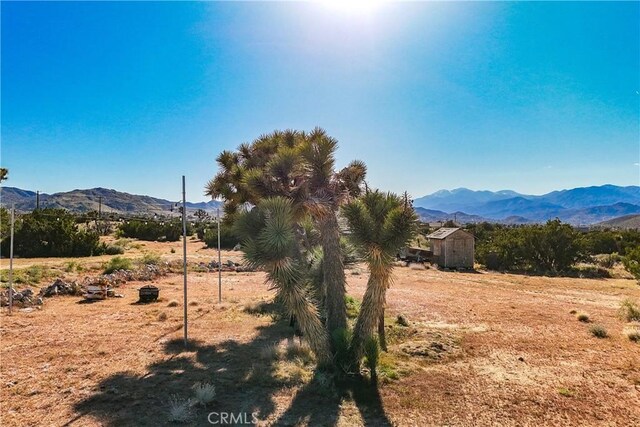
(13, 214)
(184, 255)
(219, 260)
(37, 199)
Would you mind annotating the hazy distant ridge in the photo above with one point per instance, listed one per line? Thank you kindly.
(88, 200)
(584, 205)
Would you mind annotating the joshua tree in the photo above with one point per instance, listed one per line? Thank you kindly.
(300, 167)
(270, 240)
(380, 224)
(4, 172)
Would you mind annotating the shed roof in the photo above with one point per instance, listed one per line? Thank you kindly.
(443, 233)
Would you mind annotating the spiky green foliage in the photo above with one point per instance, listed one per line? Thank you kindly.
(372, 354)
(380, 224)
(269, 241)
(299, 166)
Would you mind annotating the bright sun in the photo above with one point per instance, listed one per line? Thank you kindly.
(352, 7)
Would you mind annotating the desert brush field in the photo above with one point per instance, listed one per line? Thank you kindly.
(478, 348)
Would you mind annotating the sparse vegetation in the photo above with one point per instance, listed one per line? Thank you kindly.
(566, 392)
(173, 303)
(353, 306)
(179, 410)
(629, 311)
(372, 356)
(632, 333)
(117, 263)
(51, 233)
(204, 393)
(598, 331)
(270, 352)
(583, 317)
(150, 258)
(162, 316)
(167, 230)
(32, 275)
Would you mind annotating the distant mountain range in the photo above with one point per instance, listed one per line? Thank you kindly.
(89, 200)
(578, 206)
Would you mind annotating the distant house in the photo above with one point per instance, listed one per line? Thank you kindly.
(452, 247)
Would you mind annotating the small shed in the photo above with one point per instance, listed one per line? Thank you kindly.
(452, 247)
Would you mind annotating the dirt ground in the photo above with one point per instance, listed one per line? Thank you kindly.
(480, 349)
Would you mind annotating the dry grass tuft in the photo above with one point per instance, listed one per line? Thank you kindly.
(629, 311)
(179, 410)
(583, 317)
(193, 303)
(598, 331)
(632, 332)
(204, 393)
(173, 303)
(162, 316)
(301, 352)
(270, 352)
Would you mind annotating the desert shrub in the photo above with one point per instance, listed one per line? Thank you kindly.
(631, 262)
(372, 355)
(180, 410)
(553, 247)
(153, 230)
(353, 306)
(117, 263)
(296, 350)
(633, 334)
(71, 266)
(608, 260)
(598, 331)
(204, 393)
(228, 238)
(583, 317)
(27, 276)
(150, 258)
(113, 250)
(173, 303)
(270, 352)
(341, 339)
(629, 311)
(51, 233)
(401, 320)
(162, 316)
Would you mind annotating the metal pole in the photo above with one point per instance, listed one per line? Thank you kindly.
(184, 255)
(37, 199)
(219, 261)
(13, 213)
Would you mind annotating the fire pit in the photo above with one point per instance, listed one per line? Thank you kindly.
(148, 293)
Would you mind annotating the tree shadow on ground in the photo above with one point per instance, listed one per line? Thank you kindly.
(245, 383)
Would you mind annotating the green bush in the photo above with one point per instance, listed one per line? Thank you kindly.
(51, 233)
(228, 239)
(150, 258)
(631, 262)
(113, 250)
(341, 338)
(153, 230)
(372, 355)
(117, 263)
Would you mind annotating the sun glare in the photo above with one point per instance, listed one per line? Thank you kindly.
(352, 7)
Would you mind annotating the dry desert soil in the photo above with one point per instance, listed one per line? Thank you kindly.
(481, 349)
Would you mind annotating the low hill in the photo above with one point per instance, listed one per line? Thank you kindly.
(89, 200)
(624, 222)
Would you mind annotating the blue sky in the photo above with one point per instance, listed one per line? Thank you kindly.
(526, 96)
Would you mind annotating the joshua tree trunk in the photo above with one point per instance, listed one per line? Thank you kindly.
(382, 339)
(333, 272)
(370, 311)
(306, 314)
